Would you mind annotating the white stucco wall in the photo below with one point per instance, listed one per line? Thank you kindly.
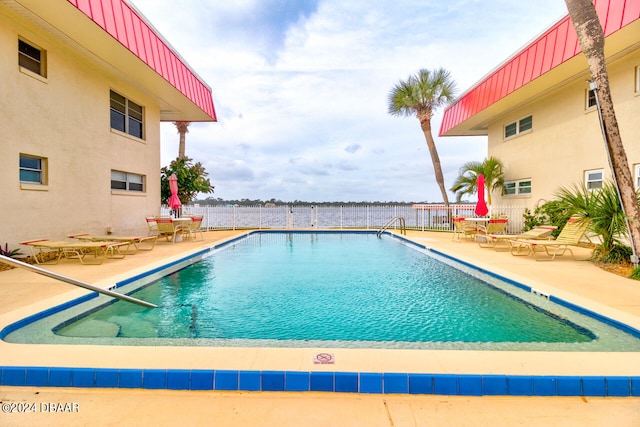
(566, 140)
(65, 119)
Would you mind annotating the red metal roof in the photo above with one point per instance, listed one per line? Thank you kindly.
(124, 24)
(555, 46)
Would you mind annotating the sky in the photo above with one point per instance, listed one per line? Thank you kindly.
(301, 89)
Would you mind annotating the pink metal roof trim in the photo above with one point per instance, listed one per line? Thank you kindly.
(552, 48)
(124, 24)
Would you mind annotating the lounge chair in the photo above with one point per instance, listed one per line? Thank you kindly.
(541, 232)
(463, 228)
(571, 235)
(43, 249)
(139, 243)
(170, 229)
(153, 226)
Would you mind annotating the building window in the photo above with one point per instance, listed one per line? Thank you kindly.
(593, 179)
(637, 79)
(126, 181)
(31, 58)
(637, 177)
(32, 169)
(512, 188)
(126, 115)
(510, 129)
(590, 98)
(522, 125)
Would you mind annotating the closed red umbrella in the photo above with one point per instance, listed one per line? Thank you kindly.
(174, 201)
(481, 206)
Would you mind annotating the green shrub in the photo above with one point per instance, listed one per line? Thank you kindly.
(9, 253)
(615, 255)
(603, 209)
(549, 213)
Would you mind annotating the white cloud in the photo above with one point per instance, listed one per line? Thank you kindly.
(300, 88)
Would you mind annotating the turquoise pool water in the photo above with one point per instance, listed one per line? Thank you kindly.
(334, 289)
(331, 287)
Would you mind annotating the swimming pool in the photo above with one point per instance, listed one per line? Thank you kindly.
(283, 289)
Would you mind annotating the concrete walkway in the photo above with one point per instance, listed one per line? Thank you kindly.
(22, 293)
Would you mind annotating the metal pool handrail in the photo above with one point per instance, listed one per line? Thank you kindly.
(74, 282)
(403, 227)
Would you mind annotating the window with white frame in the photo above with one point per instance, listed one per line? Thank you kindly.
(519, 126)
(33, 169)
(638, 79)
(519, 187)
(637, 177)
(126, 181)
(126, 115)
(594, 179)
(590, 99)
(32, 58)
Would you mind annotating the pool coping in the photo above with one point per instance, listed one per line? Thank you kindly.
(322, 378)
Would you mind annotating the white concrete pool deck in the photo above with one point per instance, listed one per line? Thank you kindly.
(23, 293)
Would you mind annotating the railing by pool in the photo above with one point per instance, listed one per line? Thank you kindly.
(417, 217)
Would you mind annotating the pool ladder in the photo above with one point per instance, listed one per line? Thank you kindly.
(403, 226)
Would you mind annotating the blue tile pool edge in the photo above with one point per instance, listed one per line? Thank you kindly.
(339, 382)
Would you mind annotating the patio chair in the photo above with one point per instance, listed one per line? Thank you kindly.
(540, 232)
(195, 226)
(42, 248)
(153, 226)
(571, 235)
(170, 229)
(463, 228)
(493, 226)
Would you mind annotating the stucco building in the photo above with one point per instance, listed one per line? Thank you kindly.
(540, 116)
(85, 85)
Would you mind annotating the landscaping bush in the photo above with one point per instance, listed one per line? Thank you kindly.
(9, 253)
(604, 210)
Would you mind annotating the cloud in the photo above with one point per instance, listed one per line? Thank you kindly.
(301, 87)
(352, 148)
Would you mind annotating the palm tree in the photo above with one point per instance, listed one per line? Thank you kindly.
(420, 95)
(602, 207)
(183, 128)
(591, 39)
(466, 182)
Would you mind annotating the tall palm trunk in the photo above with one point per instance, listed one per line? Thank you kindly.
(183, 128)
(425, 124)
(591, 38)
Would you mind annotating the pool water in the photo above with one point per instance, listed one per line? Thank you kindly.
(327, 287)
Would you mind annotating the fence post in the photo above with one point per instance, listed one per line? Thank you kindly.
(368, 219)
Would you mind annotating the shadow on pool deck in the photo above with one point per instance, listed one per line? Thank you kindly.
(23, 293)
